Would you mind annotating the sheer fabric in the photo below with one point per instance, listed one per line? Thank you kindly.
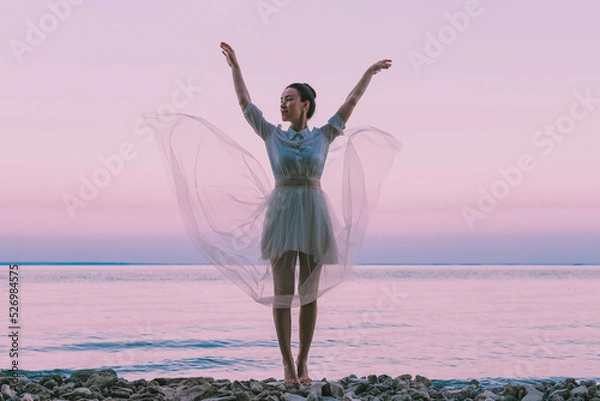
(238, 220)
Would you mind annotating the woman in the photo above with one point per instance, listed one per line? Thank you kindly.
(298, 224)
(254, 233)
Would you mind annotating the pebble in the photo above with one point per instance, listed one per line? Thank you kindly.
(105, 385)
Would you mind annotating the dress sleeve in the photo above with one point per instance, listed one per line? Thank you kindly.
(255, 118)
(334, 127)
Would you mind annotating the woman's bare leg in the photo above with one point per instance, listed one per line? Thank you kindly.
(308, 313)
(283, 280)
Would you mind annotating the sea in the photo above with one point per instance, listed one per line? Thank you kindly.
(451, 323)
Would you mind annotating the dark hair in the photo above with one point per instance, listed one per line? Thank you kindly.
(306, 93)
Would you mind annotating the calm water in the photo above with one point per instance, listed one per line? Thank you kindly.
(443, 322)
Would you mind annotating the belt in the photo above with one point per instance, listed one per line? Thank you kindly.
(298, 182)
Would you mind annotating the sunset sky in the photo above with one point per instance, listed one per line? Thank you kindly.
(497, 104)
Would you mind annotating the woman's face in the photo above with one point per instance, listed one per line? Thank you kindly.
(291, 107)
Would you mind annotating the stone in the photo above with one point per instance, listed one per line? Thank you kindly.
(191, 393)
(82, 391)
(6, 391)
(80, 376)
(424, 380)
(121, 392)
(561, 392)
(242, 396)
(256, 387)
(332, 389)
(405, 377)
(533, 394)
(581, 390)
(102, 378)
(312, 396)
(317, 388)
(491, 395)
(292, 397)
(26, 397)
(49, 384)
(225, 398)
(419, 394)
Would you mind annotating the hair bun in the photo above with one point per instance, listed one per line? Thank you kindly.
(314, 93)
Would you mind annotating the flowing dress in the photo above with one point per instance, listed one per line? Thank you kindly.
(240, 221)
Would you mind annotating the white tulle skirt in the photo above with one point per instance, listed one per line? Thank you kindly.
(298, 219)
(238, 220)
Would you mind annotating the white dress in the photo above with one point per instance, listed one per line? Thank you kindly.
(297, 217)
(239, 220)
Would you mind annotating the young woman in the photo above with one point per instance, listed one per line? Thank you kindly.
(255, 232)
(298, 223)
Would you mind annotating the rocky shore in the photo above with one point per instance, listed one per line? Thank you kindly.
(105, 385)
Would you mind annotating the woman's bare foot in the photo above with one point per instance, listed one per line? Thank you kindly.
(289, 375)
(303, 373)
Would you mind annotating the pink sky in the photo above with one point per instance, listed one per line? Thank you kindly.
(467, 98)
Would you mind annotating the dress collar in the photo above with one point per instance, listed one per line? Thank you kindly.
(291, 134)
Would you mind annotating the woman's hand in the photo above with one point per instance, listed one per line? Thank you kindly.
(229, 55)
(238, 82)
(380, 65)
(346, 109)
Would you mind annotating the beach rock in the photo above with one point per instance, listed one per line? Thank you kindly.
(317, 388)
(491, 395)
(191, 393)
(80, 376)
(312, 396)
(292, 397)
(350, 396)
(417, 394)
(561, 392)
(35, 388)
(581, 391)
(49, 384)
(103, 378)
(6, 391)
(121, 392)
(224, 398)
(26, 397)
(333, 389)
(405, 377)
(424, 380)
(256, 387)
(533, 394)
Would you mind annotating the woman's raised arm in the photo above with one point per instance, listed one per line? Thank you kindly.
(346, 109)
(238, 82)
